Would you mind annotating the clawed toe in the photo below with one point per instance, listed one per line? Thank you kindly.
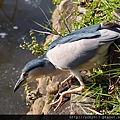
(59, 101)
(70, 91)
(66, 81)
(52, 104)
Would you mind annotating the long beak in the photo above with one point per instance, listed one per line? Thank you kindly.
(19, 83)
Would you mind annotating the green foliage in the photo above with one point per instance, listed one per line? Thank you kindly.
(107, 96)
(98, 11)
(56, 2)
(27, 89)
(33, 46)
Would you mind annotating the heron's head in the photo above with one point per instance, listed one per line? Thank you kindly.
(32, 70)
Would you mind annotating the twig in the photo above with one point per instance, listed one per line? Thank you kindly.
(49, 33)
(92, 110)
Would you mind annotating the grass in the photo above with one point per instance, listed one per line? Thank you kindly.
(97, 11)
(108, 102)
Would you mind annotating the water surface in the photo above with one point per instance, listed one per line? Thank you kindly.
(15, 22)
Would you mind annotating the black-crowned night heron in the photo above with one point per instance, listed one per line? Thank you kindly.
(82, 49)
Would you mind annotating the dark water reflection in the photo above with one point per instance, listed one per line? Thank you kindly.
(15, 22)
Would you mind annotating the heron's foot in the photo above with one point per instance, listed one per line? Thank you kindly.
(66, 81)
(70, 91)
(112, 87)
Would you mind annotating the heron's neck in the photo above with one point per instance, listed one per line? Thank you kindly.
(51, 70)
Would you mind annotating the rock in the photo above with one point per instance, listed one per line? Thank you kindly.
(116, 15)
(30, 113)
(66, 9)
(77, 106)
(52, 88)
(32, 96)
(38, 106)
(46, 109)
(43, 82)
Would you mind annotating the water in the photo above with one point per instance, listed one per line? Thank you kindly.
(15, 22)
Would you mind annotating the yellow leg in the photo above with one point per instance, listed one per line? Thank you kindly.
(66, 81)
(75, 72)
(60, 100)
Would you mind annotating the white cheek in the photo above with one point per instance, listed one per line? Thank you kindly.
(35, 73)
(30, 79)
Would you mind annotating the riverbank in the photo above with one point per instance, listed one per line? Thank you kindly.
(48, 89)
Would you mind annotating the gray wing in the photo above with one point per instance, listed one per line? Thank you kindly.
(86, 32)
(72, 54)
